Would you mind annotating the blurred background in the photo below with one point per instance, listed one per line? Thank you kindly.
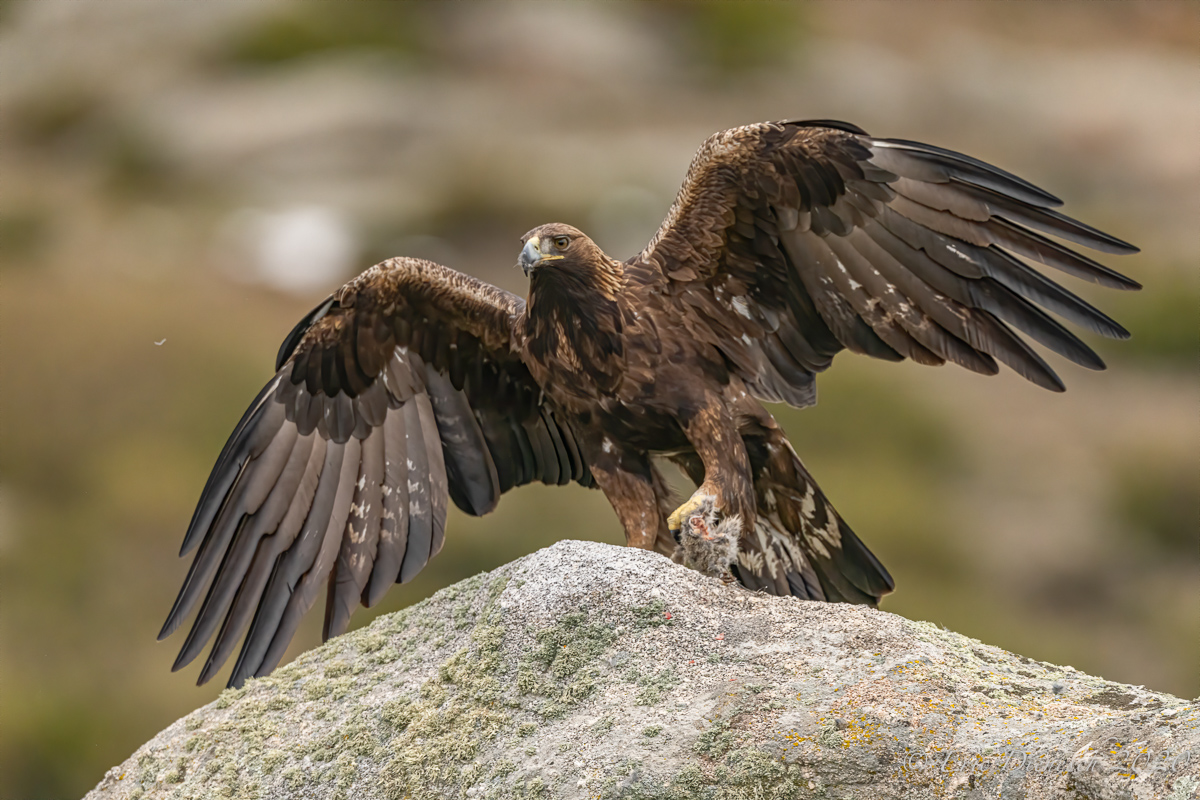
(182, 181)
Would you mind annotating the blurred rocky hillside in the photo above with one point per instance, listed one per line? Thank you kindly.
(183, 180)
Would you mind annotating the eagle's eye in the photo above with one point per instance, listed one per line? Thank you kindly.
(561, 242)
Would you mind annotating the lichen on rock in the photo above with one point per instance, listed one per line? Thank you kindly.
(591, 671)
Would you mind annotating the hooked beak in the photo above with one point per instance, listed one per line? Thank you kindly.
(531, 255)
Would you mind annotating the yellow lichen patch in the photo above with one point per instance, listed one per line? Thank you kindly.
(861, 731)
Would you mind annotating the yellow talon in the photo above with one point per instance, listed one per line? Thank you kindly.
(694, 505)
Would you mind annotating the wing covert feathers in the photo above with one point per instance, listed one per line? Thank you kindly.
(795, 240)
(398, 392)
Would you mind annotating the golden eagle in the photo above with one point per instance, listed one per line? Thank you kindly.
(789, 241)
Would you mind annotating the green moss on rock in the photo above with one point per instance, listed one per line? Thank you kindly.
(560, 666)
(655, 687)
(651, 615)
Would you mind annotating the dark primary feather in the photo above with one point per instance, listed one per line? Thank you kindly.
(420, 509)
(237, 450)
(393, 526)
(399, 391)
(361, 539)
(252, 585)
(815, 236)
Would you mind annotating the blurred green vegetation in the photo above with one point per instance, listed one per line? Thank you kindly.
(1157, 503)
(138, 165)
(70, 122)
(24, 234)
(722, 39)
(300, 30)
(1161, 320)
(735, 39)
(54, 114)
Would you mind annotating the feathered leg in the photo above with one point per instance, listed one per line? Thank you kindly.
(639, 496)
(722, 508)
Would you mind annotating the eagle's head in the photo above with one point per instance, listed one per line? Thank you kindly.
(559, 253)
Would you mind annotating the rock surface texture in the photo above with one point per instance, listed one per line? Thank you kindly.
(592, 671)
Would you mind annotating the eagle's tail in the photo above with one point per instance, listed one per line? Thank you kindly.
(799, 545)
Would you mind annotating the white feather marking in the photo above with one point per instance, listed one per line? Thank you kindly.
(742, 307)
(772, 561)
(751, 561)
(830, 532)
(788, 218)
(818, 546)
(958, 252)
(808, 505)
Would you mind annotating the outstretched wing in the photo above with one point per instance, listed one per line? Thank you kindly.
(399, 390)
(790, 241)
